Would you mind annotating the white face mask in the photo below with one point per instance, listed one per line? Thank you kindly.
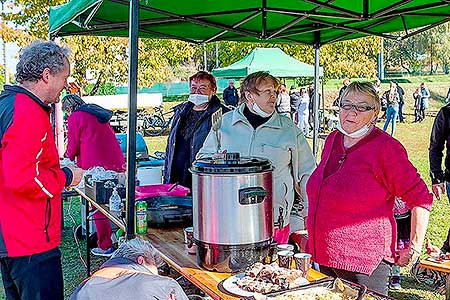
(198, 99)
(259, 111)
(356, 134)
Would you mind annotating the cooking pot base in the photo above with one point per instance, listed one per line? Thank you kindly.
(230, 258)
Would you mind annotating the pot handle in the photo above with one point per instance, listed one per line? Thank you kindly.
(252, 195)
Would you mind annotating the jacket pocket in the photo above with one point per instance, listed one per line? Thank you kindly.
(47, 218)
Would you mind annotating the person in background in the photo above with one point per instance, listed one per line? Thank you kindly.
(131, 273)
(392, 99)
(230, 94)
(440, 141)
(256, 129)
(294, 94)
(190, 125)
(353, 237)
(91, 142)
(31, 179)
(401, 102)
(303, 112)
(377, 86)
(283, 105)
(311, 104)
(417, 96)
(425, 99)
(345, 84)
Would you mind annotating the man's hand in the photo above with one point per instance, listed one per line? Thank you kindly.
(77, 175)
(438, 189)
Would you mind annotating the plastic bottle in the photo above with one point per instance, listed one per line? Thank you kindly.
(115, 203)
(141, 217)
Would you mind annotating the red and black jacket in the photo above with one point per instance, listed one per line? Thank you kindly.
(31, 179)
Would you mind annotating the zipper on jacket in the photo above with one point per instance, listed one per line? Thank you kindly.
(47, 217)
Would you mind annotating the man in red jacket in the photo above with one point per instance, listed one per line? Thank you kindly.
(31, 179)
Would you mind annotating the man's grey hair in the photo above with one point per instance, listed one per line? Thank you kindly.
(136, 247)
(38, 56)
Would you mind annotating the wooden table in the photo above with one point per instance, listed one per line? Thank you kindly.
(170, 244)
(443, 267)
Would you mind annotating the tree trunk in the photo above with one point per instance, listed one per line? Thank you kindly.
(404, 67)
(97, 84)
(431, 59)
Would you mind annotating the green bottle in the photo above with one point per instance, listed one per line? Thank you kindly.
(141, 217)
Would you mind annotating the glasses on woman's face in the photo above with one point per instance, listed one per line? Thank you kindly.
(199, 89)
(362, 107)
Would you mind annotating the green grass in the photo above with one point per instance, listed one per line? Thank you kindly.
(415, 138)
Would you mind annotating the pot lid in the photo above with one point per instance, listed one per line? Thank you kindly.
(231, 163)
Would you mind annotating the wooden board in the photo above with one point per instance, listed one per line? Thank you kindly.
(103, 208)
(441, 267)
(170, 244)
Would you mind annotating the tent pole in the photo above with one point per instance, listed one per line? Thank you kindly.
(316, 100)
(132, 109)
(217, 54)
(205, 59)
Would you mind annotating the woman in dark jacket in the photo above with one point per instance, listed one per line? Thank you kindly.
(191, 125)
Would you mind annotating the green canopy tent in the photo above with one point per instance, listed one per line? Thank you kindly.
(272, 60)
(313, 22)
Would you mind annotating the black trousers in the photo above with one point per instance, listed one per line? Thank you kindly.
(34, 277)
(378, 281)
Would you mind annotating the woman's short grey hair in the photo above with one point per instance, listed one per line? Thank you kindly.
(136, 247)
(71, 102)
(38, 56)
(365, 88)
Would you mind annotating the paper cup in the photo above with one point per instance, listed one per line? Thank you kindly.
(285, 258)
(189, 242)
(188, 233)
(282, 247)
(303, 262)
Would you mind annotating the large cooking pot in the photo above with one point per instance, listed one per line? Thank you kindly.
(232, 211)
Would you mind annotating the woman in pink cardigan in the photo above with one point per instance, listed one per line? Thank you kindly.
(92, 143)
(351, 194)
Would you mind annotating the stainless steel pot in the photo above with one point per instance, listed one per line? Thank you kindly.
(232, 211)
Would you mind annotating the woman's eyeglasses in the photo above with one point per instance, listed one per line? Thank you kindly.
(357, 107)
(268, 93)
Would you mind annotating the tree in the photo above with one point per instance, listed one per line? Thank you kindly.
(354, 58)
(105, 58)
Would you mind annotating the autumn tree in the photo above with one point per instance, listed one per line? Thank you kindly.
(105, 58)
(354, 58)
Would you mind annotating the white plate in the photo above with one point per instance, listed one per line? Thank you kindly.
(230, 285)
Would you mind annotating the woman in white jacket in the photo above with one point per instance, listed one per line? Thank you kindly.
(256, 129)
(303, 112)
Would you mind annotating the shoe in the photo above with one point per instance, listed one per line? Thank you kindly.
(395, 286)
(395, 283)
(100, 252)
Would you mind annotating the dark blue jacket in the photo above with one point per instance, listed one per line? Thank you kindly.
(230, 96)
(201, 130)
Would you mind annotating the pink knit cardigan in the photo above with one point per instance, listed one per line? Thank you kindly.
(350, 220)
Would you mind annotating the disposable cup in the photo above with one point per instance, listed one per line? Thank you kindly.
(282, 247)
(189, 242)
(285, 258)
(302, 262)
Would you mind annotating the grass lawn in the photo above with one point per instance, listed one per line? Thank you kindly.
(415, 138)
